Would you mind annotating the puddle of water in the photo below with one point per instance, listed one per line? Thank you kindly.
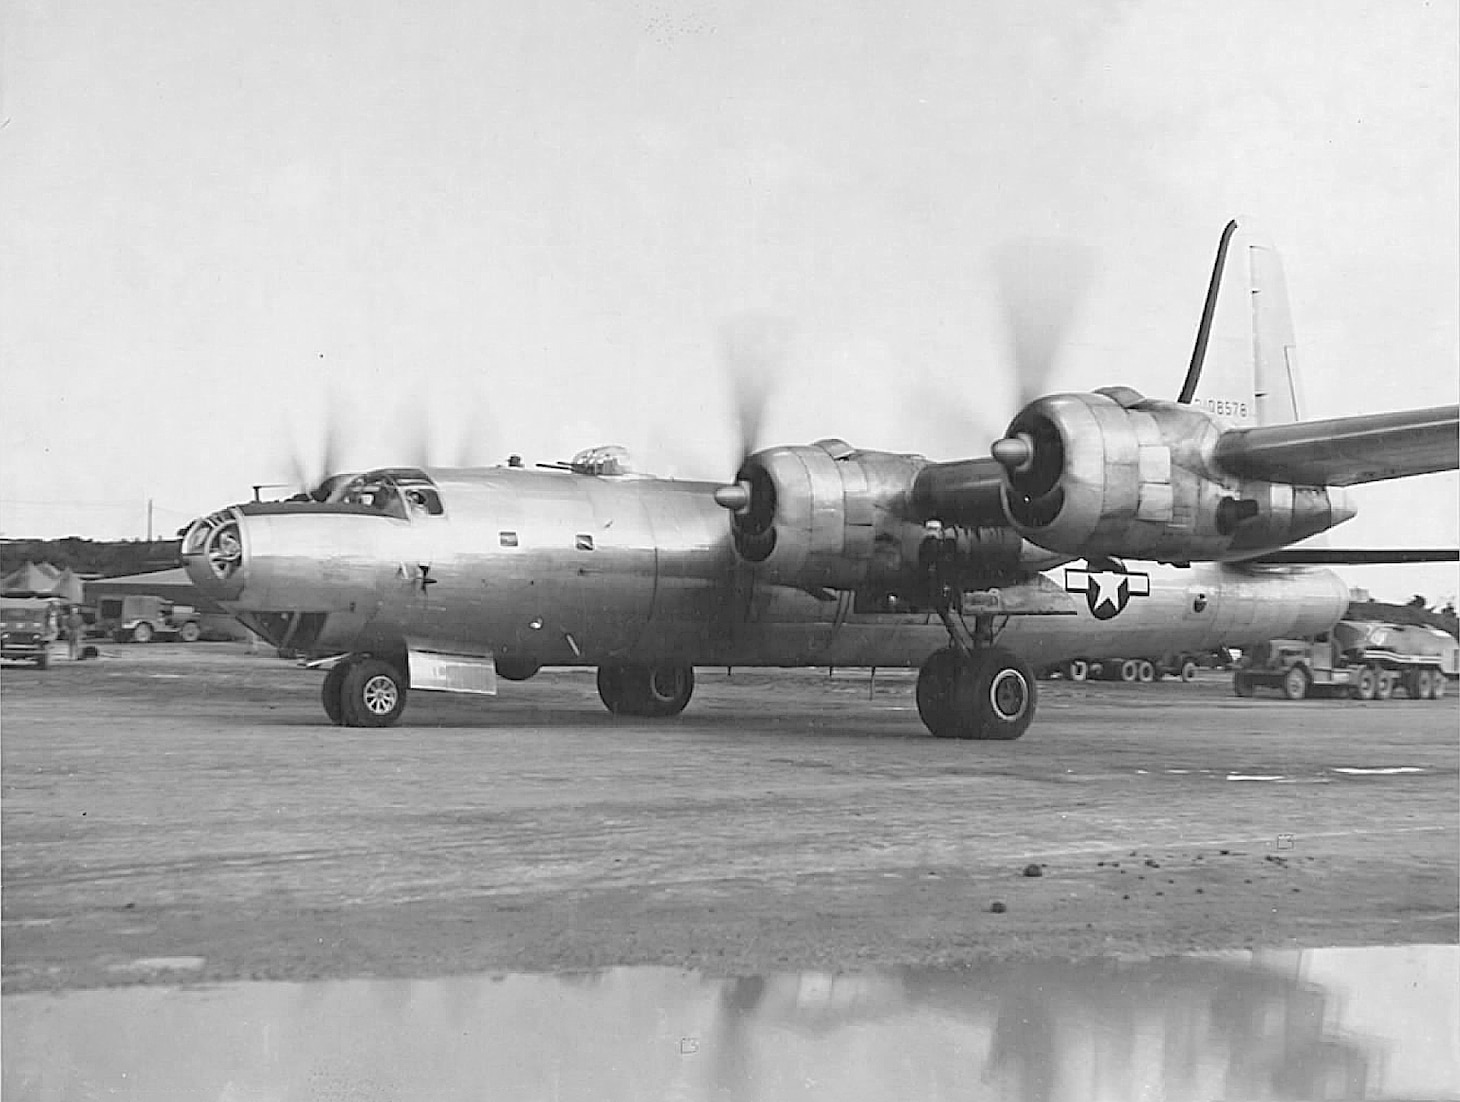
(1309, 1024)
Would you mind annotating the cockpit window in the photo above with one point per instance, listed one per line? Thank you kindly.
(405, 494)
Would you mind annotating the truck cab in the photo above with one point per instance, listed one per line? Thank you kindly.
(28, 627)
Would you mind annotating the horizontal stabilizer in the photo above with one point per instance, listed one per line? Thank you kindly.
(1345, 451)
(1333, 556)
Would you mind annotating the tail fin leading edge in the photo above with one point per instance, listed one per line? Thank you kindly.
(1244, 367)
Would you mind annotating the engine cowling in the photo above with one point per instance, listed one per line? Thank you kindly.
(1113, 474)
(828, 516)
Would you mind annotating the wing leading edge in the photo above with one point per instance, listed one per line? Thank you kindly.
(1345, 451)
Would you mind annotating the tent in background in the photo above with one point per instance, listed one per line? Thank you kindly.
(29, 579)
(69, 587)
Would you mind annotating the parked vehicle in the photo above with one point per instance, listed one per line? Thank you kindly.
(141, 619)
(28, 627)
(1364, 659)
(1144, 669)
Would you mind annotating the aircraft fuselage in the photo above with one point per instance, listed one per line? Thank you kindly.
(547, 567)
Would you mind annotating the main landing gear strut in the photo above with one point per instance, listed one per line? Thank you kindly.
(972, 689)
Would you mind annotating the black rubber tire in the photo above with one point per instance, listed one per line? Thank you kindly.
(938, 679)
(667, 690)
(331, 693)
(1424, 683)
(190, 632)
(1385, 688)
(1242, 684)
(612, 688)
(1004, 695)
(1367, 684)
(1129, 670)
(1145, 671)
(42, 661)
(1296, 682)
(374, 694)
(1438, 685)
(142, 633)
(1077, 669)
(1188, 670)
(652, 692)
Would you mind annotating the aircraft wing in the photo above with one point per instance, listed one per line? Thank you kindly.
(1333, 556)
(1345, 451)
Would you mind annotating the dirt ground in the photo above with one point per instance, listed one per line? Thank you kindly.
(180, 814)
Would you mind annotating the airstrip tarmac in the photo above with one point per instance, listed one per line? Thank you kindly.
(185, 814)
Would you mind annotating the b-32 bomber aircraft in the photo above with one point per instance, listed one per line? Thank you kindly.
(1098, 519)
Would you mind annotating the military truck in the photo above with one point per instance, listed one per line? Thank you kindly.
(1364, 659)
(28, 627)
(141, 619)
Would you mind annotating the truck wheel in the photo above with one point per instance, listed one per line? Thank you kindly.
(42, 660)
(190, 632)
(1437, 685)
(1424, 683)
(142, 633)
(1295, 683)
(1077, 669)
(1129, 670)
(374, 694)
(1145, 671)
(1242, 684)
(1385, 689)
(1188, 670)
(1367, 684)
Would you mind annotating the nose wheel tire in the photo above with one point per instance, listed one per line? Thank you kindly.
(991, 694)
(373, 694)
(331, 693)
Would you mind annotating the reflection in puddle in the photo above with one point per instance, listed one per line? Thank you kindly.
(1312, 1024)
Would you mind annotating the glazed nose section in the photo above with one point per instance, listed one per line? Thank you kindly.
(296, 557)
(213, 555)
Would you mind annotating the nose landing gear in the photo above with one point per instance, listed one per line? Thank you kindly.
(366, 692)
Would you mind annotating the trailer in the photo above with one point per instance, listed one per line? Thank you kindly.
(1362, 659)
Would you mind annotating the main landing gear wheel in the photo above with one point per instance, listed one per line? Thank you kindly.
(373, 694)
(654, 692)
(989, 695)
(938, 681)
(331, 693)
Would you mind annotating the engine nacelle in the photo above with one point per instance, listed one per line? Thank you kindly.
(1114, 474)
(812, 518)
(830, 517)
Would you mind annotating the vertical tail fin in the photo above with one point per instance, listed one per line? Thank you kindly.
(1244, 367)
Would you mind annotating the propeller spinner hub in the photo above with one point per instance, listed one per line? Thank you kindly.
(1015, 453)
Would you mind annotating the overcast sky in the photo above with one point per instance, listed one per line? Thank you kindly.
(521, 227)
